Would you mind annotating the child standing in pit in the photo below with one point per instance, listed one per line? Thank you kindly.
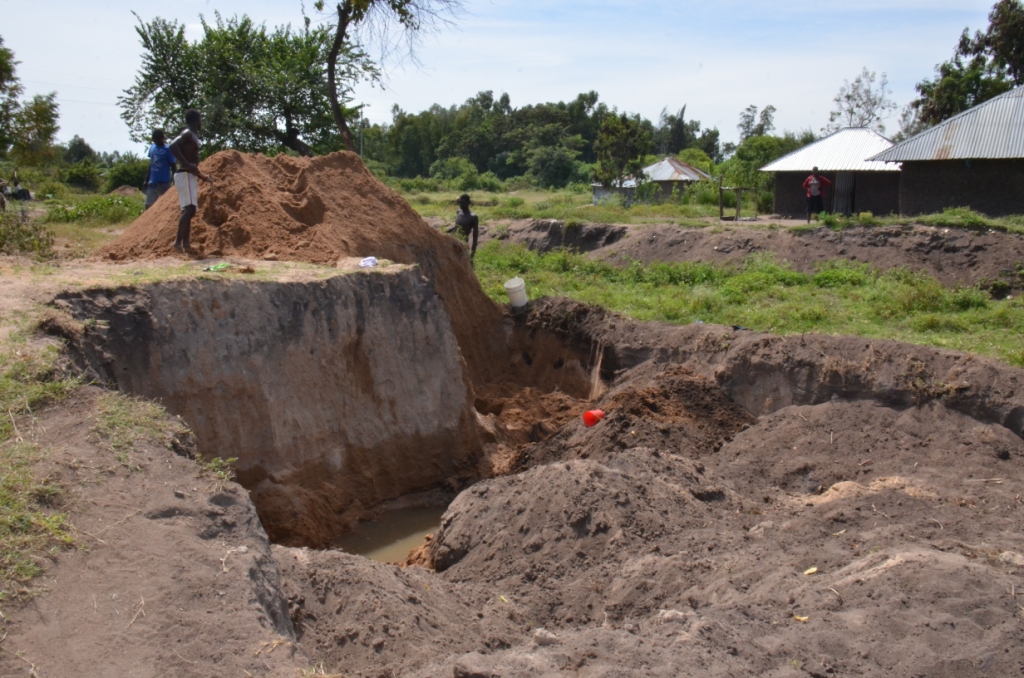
(186, 151)
(161, 167)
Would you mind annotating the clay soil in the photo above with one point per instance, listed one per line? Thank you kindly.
(860, 525)
(954, 256)
(750, 505)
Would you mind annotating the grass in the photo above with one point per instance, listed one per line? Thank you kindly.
(123, 421)
(30, 525)
(841, 297)
(563, 205)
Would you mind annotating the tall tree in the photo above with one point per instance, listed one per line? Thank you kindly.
(10, 90)
(621, 146)
(861, 103)
(983, 66)
(35, 129)
(258, 89)
(753, 124)
(384, 22)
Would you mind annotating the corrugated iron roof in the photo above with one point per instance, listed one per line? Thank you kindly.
(847, 150)
(993, 129)
(667, 169)
(671, 169)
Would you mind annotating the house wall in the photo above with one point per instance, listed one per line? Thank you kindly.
(992, 187)
(875, 192)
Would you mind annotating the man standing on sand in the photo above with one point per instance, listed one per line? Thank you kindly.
(467, 222)
(161, 168)
(815, 186)
(186, 151)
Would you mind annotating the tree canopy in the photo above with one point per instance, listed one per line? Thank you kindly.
(621, 146)
(258, 89)
(983, 66)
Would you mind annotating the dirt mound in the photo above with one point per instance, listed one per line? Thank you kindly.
(320, 210)
(127, 192)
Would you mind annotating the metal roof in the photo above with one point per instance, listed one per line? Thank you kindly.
(847, 150)
(993, 129)
(670, 169)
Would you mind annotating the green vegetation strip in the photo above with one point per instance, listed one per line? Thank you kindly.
(841, 297)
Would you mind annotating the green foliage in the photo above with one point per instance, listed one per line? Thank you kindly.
(22, 235)
(78, 150)
(620, 148)
(982, 67)
(258, 89)
(763, 294)
(131, 170)
(82, 174)
(958, 217)
(10, 90)
(110, 209)
(35, 129)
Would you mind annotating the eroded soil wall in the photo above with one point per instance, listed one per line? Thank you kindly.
(334, 395)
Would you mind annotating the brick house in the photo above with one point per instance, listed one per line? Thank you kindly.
(974, 159)
(858, 184)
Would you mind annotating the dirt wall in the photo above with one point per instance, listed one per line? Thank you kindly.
(333, 395)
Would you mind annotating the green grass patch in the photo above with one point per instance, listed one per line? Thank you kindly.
(98, 209)
(20, 235)
(762, 294)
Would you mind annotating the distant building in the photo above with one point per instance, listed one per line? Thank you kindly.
(858, 184)
(669, 175)
(974, 159)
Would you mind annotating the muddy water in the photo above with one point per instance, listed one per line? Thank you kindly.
(390, 538)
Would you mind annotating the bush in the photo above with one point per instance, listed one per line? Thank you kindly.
(840, 273)
(958, 217)
(111, 209)
(131, 171)
(765, 203)
(52, 190)
(82, 175)
(18, 234)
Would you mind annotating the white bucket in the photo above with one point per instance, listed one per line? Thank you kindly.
(516, 290)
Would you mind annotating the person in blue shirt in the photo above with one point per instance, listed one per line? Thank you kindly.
(161, 168)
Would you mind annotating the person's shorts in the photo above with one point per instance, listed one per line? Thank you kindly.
(815, 205)
(154, 191)
(188, 189)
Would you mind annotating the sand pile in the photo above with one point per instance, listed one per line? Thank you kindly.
(320, 210)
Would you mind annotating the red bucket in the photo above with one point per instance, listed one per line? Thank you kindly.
(591, 417)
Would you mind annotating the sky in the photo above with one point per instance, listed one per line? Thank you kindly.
(714, 56)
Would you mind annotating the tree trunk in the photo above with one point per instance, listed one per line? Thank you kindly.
(344, 12)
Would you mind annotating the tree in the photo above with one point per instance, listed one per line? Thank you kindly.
(377, 21)
(754, 125)
(621, 145)
(861, 103)
(982, 67)
(258, 89)
(10, 90)
(35, 129)
(77, 150)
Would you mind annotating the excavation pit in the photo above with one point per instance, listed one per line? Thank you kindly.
(392, 535)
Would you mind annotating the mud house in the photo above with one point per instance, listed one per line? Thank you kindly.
(858, 184)
(670, 175)
(974, 159)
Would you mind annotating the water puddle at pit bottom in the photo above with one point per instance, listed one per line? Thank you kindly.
(390, 538)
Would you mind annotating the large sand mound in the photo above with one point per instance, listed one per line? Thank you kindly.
(319, 210)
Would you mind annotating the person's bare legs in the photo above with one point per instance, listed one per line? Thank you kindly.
(181, 242)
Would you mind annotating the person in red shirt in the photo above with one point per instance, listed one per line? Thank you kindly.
(815, 186)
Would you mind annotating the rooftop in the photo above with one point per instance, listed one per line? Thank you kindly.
(847, 150)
